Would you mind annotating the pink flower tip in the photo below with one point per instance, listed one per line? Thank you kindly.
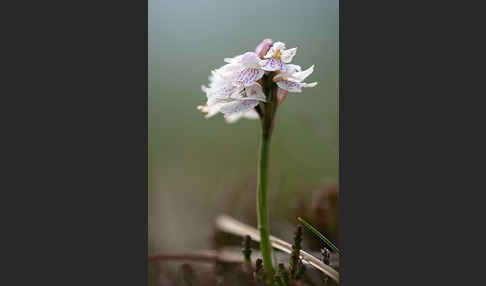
(263, 47)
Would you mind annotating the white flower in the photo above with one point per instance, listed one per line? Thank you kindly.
(278, 56)
(243, 99)
(235, 89)
(291, 79)
(251, 69)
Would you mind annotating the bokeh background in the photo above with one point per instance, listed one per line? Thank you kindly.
(201, 167)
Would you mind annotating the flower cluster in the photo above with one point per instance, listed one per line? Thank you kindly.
(235, 89)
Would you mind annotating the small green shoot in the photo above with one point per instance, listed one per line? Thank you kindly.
(318, 234)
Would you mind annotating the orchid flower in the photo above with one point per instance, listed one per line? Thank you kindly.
(251, 71)
(278, 56)
(237, 88)
(291, 79)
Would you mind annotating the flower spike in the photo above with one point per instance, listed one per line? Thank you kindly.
(239, 89)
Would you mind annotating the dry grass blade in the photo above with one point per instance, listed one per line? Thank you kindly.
(210, 256)
(229, 224)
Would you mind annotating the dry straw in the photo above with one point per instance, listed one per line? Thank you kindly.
(228, 224)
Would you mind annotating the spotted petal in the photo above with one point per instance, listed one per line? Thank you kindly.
(225, 91)
(289, 70)
(252, 92)
(288, 55)
(238, 106)
(273, 64)
(301, 75)
(251, 59)
(248, 76)
(255, 91)
(292, 86)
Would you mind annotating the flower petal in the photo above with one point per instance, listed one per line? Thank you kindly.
(300, 76)
(250, 114)
(273, 64)
(263, 47)
(248, 76)
(225, 91)
(292, 86)
(205, 89)
(217, 100)
(250, 59)
(255, 91)
(232, 118)
(210, 110)
(203, 108)
(252, 92)
(238, 106)
(273, 50)
(312, 84)
(289, 69)
(279, 46)
(288, 55)
(233, 60)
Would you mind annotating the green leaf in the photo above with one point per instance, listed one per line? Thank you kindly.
(318, 234)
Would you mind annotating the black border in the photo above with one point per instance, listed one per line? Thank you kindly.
(75, 189)
(75, 185)
(404, 175)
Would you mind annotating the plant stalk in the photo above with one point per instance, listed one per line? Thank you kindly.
(262, 208)
(268, 117)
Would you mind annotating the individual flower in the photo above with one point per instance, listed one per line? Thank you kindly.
(226, 97)
(277, 56)
(291, 79)
(244, 99)
(251, 70)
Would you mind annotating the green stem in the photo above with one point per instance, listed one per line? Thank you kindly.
(268, 118)
(262, 209)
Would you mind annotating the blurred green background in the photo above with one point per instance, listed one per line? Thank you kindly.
(201, 167)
